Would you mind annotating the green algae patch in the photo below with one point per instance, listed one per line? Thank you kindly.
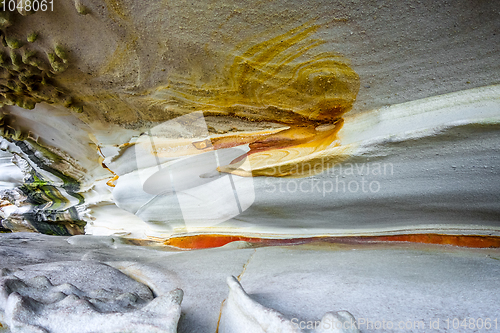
(32, 37)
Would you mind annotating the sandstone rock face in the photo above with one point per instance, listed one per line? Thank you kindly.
(83, 297)
(242, 314)
(288, 119)
(90, 283)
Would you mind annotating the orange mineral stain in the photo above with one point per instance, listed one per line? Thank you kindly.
(110, 182)
(217, 240)
(283, 80)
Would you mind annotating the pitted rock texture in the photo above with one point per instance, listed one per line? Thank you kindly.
(83, 296)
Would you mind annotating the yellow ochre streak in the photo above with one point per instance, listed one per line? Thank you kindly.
(279, 80)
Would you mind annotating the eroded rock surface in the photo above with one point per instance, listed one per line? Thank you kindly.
(83, 296)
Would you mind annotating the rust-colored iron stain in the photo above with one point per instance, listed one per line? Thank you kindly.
(304, 134)
(215, 240)
(111, 182)
(456, 240)
(285, 80)
(220, 316)
(207, 241)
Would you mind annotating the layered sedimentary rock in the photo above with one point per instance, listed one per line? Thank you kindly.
(331, 126)
(409, 287)
(287, 120)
